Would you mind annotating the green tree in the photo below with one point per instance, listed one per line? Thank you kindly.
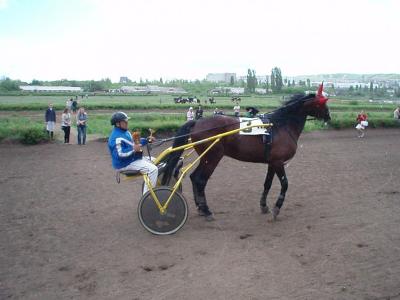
(36, 82)
(9, 85)
(273, 80)
(308, 83)
(276, 80)
(232, 81)
(251, 81)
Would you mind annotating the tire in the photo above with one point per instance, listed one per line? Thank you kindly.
(170, 222)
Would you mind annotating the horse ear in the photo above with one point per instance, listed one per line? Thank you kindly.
(320, 96)
(320, 89)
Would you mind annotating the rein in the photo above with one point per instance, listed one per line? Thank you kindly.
(159, 143)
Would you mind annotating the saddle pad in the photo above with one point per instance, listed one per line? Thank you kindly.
(244, 122)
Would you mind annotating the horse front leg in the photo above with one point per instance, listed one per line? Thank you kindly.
(267, 186)
(280, 172)
(199, 182)
(200, 178)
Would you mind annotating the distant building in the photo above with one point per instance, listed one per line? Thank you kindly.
(221, 77)
(124, 79)
(260, 91)
(57, 89)
(150, 89)
(227, 90)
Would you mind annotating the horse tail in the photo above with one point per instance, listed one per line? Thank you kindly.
(182, 136)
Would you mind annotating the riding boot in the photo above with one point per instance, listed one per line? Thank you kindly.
(51, 134)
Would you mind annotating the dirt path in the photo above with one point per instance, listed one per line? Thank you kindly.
(68, 231)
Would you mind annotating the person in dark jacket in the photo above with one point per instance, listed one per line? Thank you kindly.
(81, 122)
(50, 118)
(199, 113)
(251, 112)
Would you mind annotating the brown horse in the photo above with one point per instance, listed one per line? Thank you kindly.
(288, 123)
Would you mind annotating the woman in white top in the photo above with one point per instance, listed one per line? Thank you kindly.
(66, 125)
(396, 113)
(190, 114)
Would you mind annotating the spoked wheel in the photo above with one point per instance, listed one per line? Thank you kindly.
(171, 221)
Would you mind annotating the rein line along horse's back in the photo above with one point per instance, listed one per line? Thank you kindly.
(288, 123)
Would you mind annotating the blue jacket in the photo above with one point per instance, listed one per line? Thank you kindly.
(120, 144)
(50, 115)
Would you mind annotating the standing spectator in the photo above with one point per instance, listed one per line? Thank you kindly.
(66, 124)
(362, 120)
(190, 114)
(74, 106)
(81, 119)
(396, 113)
(50, 118)
(236, 110)
(199, 113)
(69, 104)
(217, 111)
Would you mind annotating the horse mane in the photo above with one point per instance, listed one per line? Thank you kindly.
(287, 111)
(298, 98)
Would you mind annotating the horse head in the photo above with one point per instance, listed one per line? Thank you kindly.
(317, 107)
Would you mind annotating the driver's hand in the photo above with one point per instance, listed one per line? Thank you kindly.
(137, 148)
(151, 139)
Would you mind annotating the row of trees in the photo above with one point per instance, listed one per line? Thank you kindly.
(275, 85)
(7, 84)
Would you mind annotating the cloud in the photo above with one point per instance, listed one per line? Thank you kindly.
(93, 39)
(3, 4)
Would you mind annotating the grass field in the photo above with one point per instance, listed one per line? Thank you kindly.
(21, 117)
(166, 102)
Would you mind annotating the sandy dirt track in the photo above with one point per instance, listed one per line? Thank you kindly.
(69, 231)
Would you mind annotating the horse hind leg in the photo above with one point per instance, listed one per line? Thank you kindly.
(280, 172)
(267, 186)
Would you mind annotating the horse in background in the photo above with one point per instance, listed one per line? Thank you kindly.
(288, 124)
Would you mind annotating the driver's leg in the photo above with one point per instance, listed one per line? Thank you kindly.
(145, 167)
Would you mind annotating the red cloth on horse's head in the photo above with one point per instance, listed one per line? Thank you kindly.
(320, 96)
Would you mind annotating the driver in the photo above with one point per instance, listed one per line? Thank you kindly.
(123, 149)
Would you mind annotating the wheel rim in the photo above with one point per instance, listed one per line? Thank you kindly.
(168, 223)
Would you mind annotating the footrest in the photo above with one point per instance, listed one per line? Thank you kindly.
(130, 173)
(127, 173)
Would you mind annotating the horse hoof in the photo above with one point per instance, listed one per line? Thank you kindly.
(209, 218)
(264, 209)
(275, 212)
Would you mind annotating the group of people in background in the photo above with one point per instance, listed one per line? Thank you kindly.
(81, 119)
(198, 113)
(66, 121)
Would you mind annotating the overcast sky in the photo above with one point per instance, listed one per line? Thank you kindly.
(89, 39)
